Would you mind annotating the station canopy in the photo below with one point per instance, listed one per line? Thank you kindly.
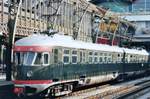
(114, 5)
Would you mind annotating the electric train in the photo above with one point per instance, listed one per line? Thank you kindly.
(55, 65)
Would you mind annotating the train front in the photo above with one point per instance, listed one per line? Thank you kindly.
(31, 63)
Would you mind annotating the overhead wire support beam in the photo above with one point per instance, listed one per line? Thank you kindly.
(12, 30)
(53, 14)
(78, 17)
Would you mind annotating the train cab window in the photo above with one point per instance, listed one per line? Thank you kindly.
(38, 60)
(46, 58)
(24, 58)
(30, 57)
(17, 59)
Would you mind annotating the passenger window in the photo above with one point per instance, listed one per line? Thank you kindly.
(74, 59)
(66, 59)
(74, 52)
(96, 54)
(66, 56)
(74, 56)
(90, 53)
(95, 60)
(66, 51)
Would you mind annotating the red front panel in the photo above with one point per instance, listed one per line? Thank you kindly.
(33, 81)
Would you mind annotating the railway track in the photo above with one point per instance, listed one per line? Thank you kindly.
(140, 90)
(111, 91)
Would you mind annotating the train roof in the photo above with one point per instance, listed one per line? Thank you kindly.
(67, 41)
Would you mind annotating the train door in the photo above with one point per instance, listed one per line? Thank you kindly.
(46, 58)
(80, 56)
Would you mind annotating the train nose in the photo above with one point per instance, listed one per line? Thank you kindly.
(24, 72)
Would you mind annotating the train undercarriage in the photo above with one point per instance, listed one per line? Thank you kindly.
(59, 88)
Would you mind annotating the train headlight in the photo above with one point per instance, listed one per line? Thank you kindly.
(142, 65)
(29, 73)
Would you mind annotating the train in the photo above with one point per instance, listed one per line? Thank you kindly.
(55, 65)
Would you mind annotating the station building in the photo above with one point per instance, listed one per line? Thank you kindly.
(77, 18)
(135, 11)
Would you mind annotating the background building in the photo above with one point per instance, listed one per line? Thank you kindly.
(137, 12)
(77, 18)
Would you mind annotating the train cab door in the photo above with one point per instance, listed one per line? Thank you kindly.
(46, 58)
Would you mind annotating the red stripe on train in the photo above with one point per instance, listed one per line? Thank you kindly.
(32, 48)
(33, 81)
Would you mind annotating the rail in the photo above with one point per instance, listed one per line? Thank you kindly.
(117, 90)
(135, 93)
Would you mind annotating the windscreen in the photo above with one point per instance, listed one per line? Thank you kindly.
(24, 58)
(31, 58)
